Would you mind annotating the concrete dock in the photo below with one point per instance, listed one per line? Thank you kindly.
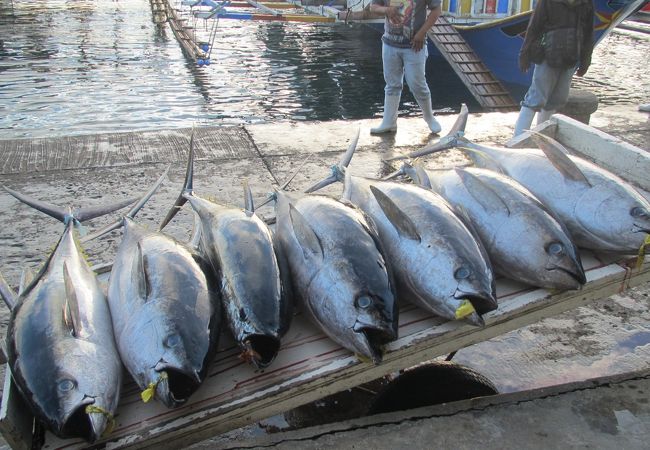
(608, 341)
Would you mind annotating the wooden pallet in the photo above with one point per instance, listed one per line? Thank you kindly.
(480, 81)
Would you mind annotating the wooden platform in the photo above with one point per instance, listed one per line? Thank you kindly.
(310, 366)
(480, 81)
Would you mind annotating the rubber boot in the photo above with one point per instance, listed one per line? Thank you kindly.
(544, 115)
(524, 120)
(427, 114)
(389, 122)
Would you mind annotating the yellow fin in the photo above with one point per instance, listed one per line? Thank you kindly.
(465, 309)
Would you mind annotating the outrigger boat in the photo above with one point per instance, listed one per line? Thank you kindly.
(492, 31)
(495, 29)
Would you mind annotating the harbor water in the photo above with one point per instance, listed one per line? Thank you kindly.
(93, 66)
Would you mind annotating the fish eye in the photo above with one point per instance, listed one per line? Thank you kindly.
(364, 302)
(555, 248)
(638, 211)
(461, 273)
(172, 340)
(66, 385)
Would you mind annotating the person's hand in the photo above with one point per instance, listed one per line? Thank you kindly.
(524, 64)
(581, 71)
(418, 42)
(394, 15)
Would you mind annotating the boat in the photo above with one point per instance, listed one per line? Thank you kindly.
(495, 30)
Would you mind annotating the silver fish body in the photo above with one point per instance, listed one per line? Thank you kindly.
(240, 247)
(61, 348)
(437, 262)
(604, 213)
(166, 314)
(524, 241)
(338, 271)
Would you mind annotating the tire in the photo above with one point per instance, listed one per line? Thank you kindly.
(431, 384)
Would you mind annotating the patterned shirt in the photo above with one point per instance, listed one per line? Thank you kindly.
(414, 14)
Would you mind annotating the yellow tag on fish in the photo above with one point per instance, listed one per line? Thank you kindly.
(148, 393)
(465, 309)
(640, 258)
(92, 409)
(363, 359)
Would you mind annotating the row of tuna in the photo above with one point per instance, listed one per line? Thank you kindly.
(345, 262)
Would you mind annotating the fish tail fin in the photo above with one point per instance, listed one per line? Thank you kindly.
(66, 214)
(188, 186)
(249, 205)
(446, 142)
(338, 170)
(7, 294)
(132, 212)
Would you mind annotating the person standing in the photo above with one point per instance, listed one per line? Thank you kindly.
(559, 40)
(404, 53)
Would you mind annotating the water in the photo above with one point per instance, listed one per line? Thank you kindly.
(78, 67)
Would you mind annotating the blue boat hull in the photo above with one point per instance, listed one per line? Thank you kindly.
(498, 43)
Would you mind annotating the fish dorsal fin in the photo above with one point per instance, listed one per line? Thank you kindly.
(249, 206)
(71, 308)
(558, 155)
(140, 275)
(422, 176)
(25, 279)
(307, 239)
(484, 194)
(7, 294)
(403, 223)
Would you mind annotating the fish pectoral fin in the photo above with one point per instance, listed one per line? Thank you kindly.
(307, 239)
(558, 156)
(484, 194)
(71, 315)
(140, 274)
(403, 223)
(249, 205)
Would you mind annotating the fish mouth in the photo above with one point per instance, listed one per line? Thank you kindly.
(89, 426)
(260, 350)
(483, 302)
(175, 388)
(373, 340)
(580, 278)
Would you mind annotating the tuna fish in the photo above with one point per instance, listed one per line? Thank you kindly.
(601, 211)
(338, 271)
(525, 242)
(60, 343)
(239, 246)
(166, 313)
(437, 261)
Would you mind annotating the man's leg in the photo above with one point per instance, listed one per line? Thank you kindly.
(415, 70)
(394, 76)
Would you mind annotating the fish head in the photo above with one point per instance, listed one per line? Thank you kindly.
(359, 317)
(616, 216)
(475, 284)
(373, 325)
(536, 249)
(170, 357)
(86, 389)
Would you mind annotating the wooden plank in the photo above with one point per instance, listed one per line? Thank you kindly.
(467, 65)
(610, 152)
(310, 366)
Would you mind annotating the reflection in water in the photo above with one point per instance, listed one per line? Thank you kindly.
(76, 67)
